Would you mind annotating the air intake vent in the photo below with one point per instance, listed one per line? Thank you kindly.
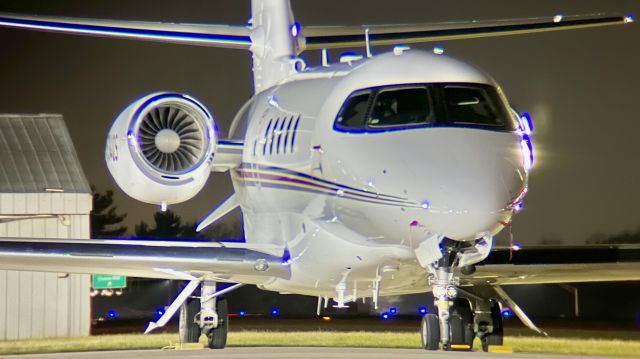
(172, 138)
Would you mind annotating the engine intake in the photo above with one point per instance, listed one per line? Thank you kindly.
(160, 148)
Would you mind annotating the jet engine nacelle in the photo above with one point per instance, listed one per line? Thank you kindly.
(160, 148)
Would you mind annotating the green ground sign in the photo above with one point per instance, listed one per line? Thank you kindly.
(106, 281)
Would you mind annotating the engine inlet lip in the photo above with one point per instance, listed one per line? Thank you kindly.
(202, 118)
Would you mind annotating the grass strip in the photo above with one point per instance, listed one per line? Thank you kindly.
(590, 347)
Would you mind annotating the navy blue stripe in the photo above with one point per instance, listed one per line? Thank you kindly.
(253, 182)
(229, 143)
(284, 170)
(129, 31)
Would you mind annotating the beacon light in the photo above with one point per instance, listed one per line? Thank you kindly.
(275, 312)
(422, 310)
(112, 314)
(628, 19)
(385, 316)
(242, 313)
(393, 310)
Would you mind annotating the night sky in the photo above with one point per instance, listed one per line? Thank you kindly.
(580, 86)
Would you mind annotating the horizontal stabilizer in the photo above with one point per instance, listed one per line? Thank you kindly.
(319, 37)
(191, 34)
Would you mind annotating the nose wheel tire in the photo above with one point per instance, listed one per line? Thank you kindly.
(497, 335)
(188, 329)
(217, 337)
(430, 332)
(461, 323)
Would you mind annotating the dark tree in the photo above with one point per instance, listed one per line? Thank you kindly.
(224, 230)
(620, 238)
(105, 220)
(167, 225)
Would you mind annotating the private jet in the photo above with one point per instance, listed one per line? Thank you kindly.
(374, 175)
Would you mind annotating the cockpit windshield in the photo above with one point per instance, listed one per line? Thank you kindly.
(424, 105)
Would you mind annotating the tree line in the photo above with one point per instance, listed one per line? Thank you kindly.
(108, 222)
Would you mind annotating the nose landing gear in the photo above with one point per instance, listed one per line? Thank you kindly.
(456, 324)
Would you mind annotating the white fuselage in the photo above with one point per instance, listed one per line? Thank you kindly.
(350, 206)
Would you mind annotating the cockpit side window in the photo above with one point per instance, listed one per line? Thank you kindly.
(401, 107)
(354, 112)
(473, 105)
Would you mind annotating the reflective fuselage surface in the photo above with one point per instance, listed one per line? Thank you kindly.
(360, 163)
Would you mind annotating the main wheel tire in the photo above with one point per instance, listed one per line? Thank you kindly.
(461, 323)
(217, 337)
(188, 328)
(497, 335)
(430, 332)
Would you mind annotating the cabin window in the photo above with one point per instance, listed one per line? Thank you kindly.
(401, 107)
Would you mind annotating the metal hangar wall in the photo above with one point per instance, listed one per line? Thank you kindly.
(43, 194)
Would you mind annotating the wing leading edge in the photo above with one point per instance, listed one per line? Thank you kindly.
(542, 265)
(227, 36)
(318, 37)
(234, 262)
(314, 37)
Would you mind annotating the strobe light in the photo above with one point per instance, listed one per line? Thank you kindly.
(160, 148)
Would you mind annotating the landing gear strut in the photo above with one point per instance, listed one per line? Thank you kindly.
(205, 314)
(444, 288)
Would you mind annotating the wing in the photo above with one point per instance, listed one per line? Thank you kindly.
(558, 265)
(318, 37)
(191, 34)
(235, 262)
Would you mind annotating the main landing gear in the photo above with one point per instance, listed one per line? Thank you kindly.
(456, 325)
(207, 315)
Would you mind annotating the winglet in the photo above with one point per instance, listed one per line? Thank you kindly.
(222, 210)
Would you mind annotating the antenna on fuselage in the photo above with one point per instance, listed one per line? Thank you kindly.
(325, 58)
(367, 42)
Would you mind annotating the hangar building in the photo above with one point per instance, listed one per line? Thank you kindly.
(43, 194)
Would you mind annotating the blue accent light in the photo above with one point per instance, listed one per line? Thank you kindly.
(425, 204)
(286, 257)
(422, 310)
(275, 312)
(527, 152)
(385, 316)
(160, 312)
(628, 19)
(242, 313)
(393, 310)
(295, 29)
(112, 314)
(506, 313)
(527, 124)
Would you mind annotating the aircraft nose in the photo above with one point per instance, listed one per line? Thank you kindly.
(474, 184)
